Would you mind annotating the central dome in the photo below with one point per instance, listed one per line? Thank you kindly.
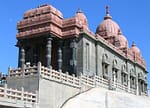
(111, 32)
(108, 27)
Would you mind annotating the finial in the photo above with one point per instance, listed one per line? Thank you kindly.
(133, 44)
(107, 9)
(79, 10)
(107, 12)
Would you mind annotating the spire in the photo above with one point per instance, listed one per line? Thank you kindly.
(79, 11)
(107, 12)
(107, 9)
(133, 44)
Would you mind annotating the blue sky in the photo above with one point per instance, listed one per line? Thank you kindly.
(131, 15)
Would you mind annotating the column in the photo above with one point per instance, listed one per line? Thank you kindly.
(143, 86)
(119, 75)
(114, 78)
(129, 82)
(35, 55)
(48, 52)
(140, 87)
(73, 62)
(59, 55)
(137, 85)
(122, 78)
(21, 57)
(96, 56)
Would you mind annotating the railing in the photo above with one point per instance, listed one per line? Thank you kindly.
(18, 95)
(59, 76)
(101, 82)
(144, 94)
(25, 71)
(87, 81)
(119, 86)
(65, 78)
(132, 91)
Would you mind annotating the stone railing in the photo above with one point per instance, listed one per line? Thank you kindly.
(15, 94)
(65, 78)
(59, 76)
(121, 87)
(144, 94)
(132, 91)
(25, 71)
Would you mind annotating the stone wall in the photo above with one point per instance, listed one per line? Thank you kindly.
(29, 83)
(54, 94)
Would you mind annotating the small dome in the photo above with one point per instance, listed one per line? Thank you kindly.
(81, 18)
(123, 41)
(135, 49)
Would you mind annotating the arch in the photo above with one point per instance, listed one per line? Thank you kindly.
(105, 56)
(105, 59)
(132, 72)
(115, 62)
(124, 67)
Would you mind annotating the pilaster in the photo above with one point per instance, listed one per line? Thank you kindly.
(73, 61)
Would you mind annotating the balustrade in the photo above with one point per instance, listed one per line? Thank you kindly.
(65, 78)
(17, 94)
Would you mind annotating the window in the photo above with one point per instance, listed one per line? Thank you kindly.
(105, 70)
(115, 74)
(87, 56)
(132, 82)
(124, 78)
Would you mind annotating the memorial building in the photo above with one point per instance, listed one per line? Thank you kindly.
(61, 58)
(68, 45)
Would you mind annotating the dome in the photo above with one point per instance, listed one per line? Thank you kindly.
(123, 41)
(135, 49)
(108, 26)
(81, 18)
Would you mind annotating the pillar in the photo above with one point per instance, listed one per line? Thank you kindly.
(114, 78)
(137, 85)
(21, 57)
(48, 52)
(96, 56)
(129, 82)
(143, 86)
(73, 62)
(59, 60)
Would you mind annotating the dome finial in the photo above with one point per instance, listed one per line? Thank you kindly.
(79, 10)
(107, 9)
(133, 44)
(107, 12)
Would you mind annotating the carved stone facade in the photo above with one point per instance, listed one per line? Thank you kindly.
(68, 45)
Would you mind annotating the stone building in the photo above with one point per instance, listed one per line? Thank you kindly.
(60, 58)
(68, 45)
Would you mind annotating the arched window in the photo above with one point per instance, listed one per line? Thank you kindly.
(132, 78)
(124, 74)
(105, 64)
(105, 59)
